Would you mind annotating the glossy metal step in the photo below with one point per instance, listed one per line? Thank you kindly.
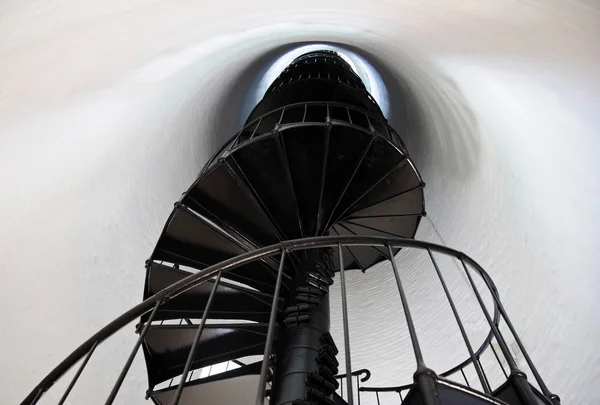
(262, 165)
(448, 393)
(230, 301)
(512, 393)
(347, 148)
(380, 158)
(234, 389)
(191, 240)
(166, 347)
(226, 197)
(401, 179)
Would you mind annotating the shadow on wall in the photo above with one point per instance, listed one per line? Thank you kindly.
(430, 113)
(239, 98)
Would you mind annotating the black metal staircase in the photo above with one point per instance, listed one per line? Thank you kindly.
(316, 182)
(316, 157)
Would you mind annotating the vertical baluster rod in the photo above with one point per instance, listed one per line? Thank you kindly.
(76, 376)
(501, 342)
(532, 367)
(262, 383)
(346, 331)
(498, 359)
(190, 359)
(409, 322)
(476, 364)
(121, 378)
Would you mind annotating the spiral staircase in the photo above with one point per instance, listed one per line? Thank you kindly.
(318, 176)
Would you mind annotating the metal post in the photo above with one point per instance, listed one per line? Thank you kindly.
(465, 377)
(190, 359)
(484, 376)
(498, 358)
(262, 383)
(76, 376)
(409, 321)
(117, 386)
(377, 395)
(476, 364)
(346, 332)
(501, 342)
(537, 375)
(358, 388)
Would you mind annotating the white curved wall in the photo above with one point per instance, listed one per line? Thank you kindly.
(109, 109)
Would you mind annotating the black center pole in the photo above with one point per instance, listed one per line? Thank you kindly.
(305, 353)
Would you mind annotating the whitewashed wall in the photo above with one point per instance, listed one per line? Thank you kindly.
(109, 109)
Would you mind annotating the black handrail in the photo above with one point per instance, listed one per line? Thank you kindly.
(356, 373)
(195, 279)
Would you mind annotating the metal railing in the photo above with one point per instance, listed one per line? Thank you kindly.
(332, 114)
(282, 249)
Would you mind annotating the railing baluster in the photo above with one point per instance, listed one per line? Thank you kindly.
(532, 367)
(281, 116)
(262, 383)
(498, 358)
(501, 342)
(346, 331)
(484, 376)
(401, 399)
(476, 364)
(465, 377)
(358, 388)
(117, 386)
(409, 322)
(190, 359)
(77, 374)
(377, 395)
(256, 128)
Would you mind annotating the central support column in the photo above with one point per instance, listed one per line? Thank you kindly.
(305, 353)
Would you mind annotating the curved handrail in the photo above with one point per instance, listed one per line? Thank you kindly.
(195, 279)
(390, 134)
(357, 373)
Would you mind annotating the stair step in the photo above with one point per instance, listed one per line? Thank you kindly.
(363, 256)
(375, 166)
(240, 389)
(190, 241)
(402, 227)
(230, 301)
(347, 146)
(220, 192)
(509, 393)
(449, 393)
(402, 178)
(262, 165)
(166, 347)
(305, 152)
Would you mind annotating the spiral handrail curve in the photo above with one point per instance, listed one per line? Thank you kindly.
(201, 276)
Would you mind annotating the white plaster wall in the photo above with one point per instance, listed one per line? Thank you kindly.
(109, 109)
